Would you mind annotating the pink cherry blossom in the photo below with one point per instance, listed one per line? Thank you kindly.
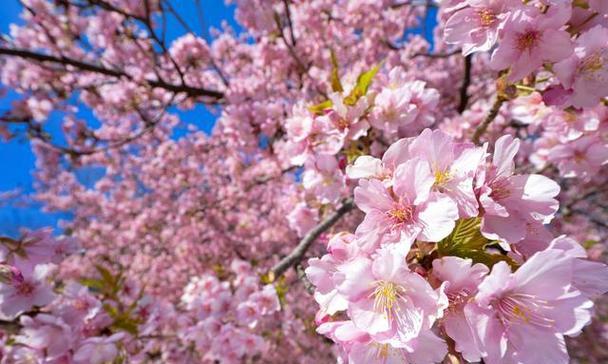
(462, 280)
(25, 290)
(203, 173)
(531, 38)
(46, 333)
(370, 167)
(410, 210)
(386, 299)
(515, 314)
(581, 158)
(476, 26)
(323, 273)
(393, 106)
(510, 201)
(303, 218)
(586, 71)
(453, 166)
(98, 350)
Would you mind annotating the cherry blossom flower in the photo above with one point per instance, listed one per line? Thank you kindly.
(462, 278)
(386, 299)
(476, 26)
(586, 71)
(531, 38)
(98, 350)
(453, 166)
(24, 290)
(411, 211)
(510, 201)
(581, 158)
(515, 314)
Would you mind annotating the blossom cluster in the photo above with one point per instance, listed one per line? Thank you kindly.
(309, 95)
(226, 314)
(323, 138)
(531, 34)
(109, 318)
(453, 248)
(65, 327)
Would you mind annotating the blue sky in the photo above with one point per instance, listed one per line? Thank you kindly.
(16, 158)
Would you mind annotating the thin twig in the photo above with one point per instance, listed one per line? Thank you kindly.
(310, 288)
(289, 22)
(84, 66)
(298, 253)
(481, 129)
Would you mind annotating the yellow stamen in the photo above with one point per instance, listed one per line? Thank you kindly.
(385, 296)
(486, 17)
(442, 177)
(382, 351)
(402, 214)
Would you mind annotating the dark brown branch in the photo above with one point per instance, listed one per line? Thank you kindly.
(466, 82)
(303, 69)
(9, 327)
(298, 253)
(481, 129)
(436, 55)
(289, 22)
(84, 66)
(109, 7)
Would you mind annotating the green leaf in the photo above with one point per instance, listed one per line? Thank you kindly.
(363, 82)
(122, 320)
(92, 283)
(280, 285)
(319, 109)
(105, 274)
(126, 324)
(588, 244)
(111, 311)
(466, 241)
(336, 85)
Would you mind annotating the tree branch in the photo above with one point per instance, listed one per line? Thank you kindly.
(481, 129)
(289, 22)
(310, 288)
(298, 253)
(84, 66)
(466, 81)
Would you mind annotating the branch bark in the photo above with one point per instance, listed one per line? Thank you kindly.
(466, 82)
(310, 288)
(89, 67)
(298, 253)
(481, 129)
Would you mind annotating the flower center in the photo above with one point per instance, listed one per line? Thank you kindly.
(382, 350)
(500, 190)
(486, 17)
(457, 299)
(385, 296)
(593, 64)
(528, 40)
(523, 308)
(579, 156)
(442, 177)
(81, 304)
(401, 214)
(25, 288)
